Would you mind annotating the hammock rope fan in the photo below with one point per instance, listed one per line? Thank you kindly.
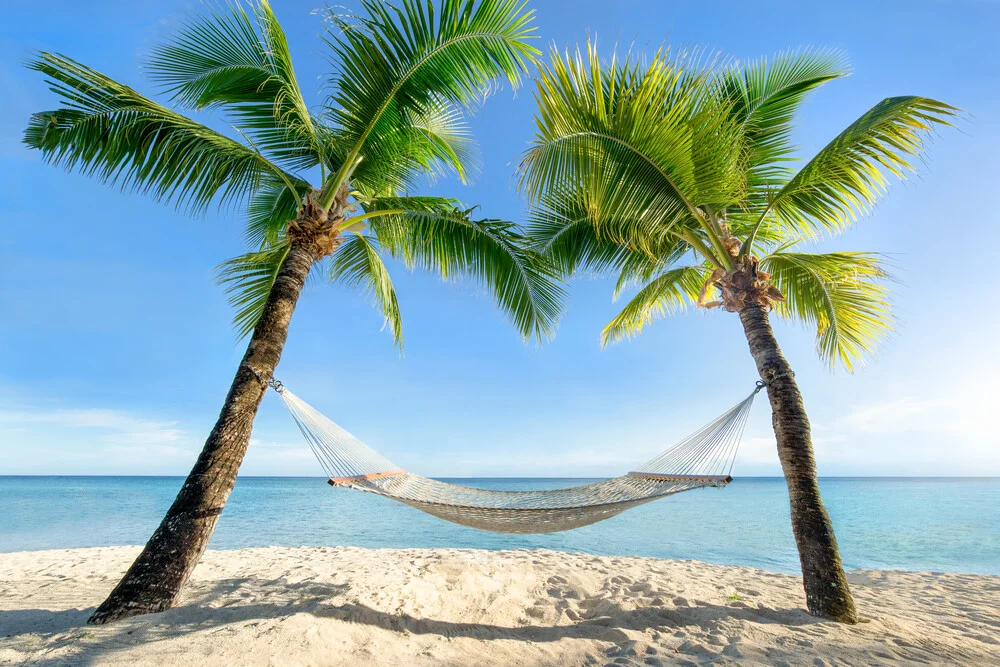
(703, 459)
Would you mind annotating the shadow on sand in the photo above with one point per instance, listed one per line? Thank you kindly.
(66, 635)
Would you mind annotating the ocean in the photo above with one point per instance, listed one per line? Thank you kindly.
(937, 524)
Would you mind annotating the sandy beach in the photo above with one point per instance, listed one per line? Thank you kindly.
(345, 605)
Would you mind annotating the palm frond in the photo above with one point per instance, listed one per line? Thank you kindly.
(441, 237)
(634, 165)
(272, 206)
(377, 205)
(764, 96)
(402, 59)
(431, 142)
(638, 269)
(641, 147)
(842, 294)
(572, 242)
(111, 132)
(240, 61)
(669, 292)
(248, 280)
(357, 264)
(848, 175)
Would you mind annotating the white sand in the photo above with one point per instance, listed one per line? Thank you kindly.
(320, 606)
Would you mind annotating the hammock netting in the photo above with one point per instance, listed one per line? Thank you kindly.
(703, 459)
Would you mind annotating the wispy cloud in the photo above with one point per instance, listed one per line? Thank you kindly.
(897, 416)
(92, 440)
(117, 427)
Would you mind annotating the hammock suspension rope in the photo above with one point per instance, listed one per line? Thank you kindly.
(703, 459)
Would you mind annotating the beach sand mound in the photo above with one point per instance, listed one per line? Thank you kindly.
(351, 606)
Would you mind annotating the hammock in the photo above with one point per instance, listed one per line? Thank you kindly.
(703, 459)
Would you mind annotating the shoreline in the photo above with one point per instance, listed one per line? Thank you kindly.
(345, 605)
(569, 551)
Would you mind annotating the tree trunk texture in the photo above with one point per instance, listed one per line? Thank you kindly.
(827, 593)
(155, 579)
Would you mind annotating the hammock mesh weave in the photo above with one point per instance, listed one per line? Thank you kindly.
(703, 459)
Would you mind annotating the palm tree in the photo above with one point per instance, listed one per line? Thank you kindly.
(676, 176)
(403, 75)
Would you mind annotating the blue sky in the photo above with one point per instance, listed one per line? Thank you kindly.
(117, 347)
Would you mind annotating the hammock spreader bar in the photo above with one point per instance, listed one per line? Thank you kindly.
(703, 459)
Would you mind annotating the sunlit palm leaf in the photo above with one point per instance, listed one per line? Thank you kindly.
(248, 280)
(842, 294)
(847, 176)
(241, 62)
(449, 143)
(669, 292)
(646, 146)
(357, 264)
(765, 94)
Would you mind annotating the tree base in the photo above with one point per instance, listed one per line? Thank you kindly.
(844, 612)
(114, 609)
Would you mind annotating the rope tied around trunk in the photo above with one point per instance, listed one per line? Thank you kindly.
(765, 383)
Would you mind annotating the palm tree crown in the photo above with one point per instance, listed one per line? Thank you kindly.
(677, 173)
(403, 75)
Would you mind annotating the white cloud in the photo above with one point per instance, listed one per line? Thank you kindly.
(898, 416)
(949, 434)
(91, 441)
(119, 427)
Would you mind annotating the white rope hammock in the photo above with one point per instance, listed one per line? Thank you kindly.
(703, 459)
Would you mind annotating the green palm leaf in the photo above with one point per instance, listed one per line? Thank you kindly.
(764, 95)
(241, 63)
(111, 132)
(434, 141)
(441, 237)
(248, 280)
(574, 243)
(403, 59)
(570, 239)
(665, 294)
(643, 151)
(842, 294)
(357, 264)
(272, 206)
(847, 176)
(408, 71)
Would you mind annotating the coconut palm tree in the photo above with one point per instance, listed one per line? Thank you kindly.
(677, 177)
(329, 184)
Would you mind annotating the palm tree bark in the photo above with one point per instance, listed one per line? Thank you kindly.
(827, 592)
(155, 579)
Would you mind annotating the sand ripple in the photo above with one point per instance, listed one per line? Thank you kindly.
(344, 605)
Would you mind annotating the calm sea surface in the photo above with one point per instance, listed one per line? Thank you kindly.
(899, 523)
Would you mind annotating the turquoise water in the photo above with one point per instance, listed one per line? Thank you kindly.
(899, 523)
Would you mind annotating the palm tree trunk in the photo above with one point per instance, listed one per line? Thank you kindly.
(827, 592)
(154, 581)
